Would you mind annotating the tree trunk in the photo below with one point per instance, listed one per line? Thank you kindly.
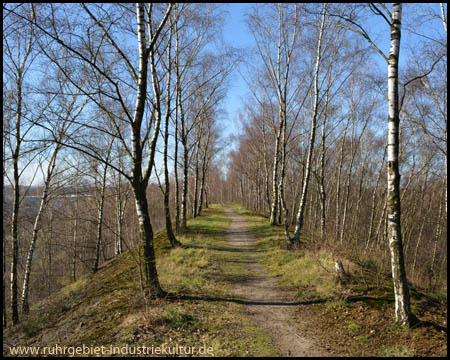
(15, 244)
(202, 185)
(75, 237)
(36, 228)
(177, 184)
(347, 180)
(373, 207)
(184, 191)
(152, 287)
(274, 207)
(204, 169)
(119, 216)
(401, 291)
(301, 210)
(16, 201)
(139, 182)
(321, 179)
(5, 320)
(195, 205)
(98, 242)
(177, 106)
(172, 239)
(437, 235)
(266, 170)
(170, 235)
(422, 225)
(338, 183)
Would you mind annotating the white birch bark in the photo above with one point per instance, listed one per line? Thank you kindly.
(101, 204)
(19, 60)
(171, 236)
(36, 228)
(301, 210)
(436, 240)
(444, 18)
(374, 196)
(139, 181)
(321, 178)
(401, 291)
(75, 237)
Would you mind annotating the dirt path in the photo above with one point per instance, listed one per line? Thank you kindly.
(272, 308)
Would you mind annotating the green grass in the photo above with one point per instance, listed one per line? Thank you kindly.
(31, 329)
(396, 351)
(178, 317)
(354, 328)
(362, 338)
(335, 305)
(440, 296)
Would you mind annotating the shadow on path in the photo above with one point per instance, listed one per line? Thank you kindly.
(243, 302)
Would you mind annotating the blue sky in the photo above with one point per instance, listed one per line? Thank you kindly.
(236, 34)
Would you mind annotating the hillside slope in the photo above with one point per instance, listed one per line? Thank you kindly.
(108, 308)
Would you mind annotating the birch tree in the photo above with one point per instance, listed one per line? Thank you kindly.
(100, 206)
(393, 18)
(105, 84)
(139, 180)
(301, 210)
(172, 239)
(401, 291)
(19, 53)
(60, 128)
